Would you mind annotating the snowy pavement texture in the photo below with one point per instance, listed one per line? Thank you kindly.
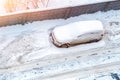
(26, 53)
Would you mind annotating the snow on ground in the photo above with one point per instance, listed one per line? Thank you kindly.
(29, 44)
(31, 41)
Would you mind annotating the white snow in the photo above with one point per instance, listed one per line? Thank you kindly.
(70, 32)
(31, 41)
(20, 45)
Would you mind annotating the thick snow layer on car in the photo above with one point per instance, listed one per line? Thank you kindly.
(74, 31)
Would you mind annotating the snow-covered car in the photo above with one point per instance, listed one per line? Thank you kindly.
(77, 33)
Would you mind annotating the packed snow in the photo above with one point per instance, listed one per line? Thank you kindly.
(31, 41)
(23, 47)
